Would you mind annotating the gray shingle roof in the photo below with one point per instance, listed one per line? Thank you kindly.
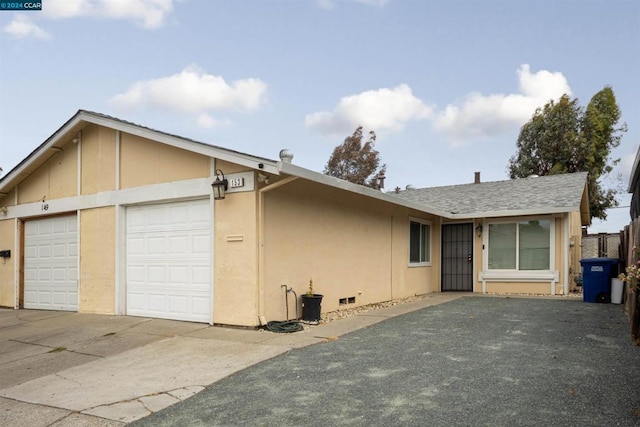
(544, 194)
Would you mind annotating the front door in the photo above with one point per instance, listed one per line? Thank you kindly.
(457, 257)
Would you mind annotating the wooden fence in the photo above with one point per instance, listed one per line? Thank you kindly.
(629, 252)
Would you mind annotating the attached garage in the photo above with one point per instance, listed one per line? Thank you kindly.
(51, 263)
(168, 260)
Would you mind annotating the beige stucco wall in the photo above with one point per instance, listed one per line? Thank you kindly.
(98, 159)
(235, 260)
(229, 168)
(97, 261)
(7, 277)
(533, 288)
(9, 199)
(145, 162)
(350, 245)
(55, 179)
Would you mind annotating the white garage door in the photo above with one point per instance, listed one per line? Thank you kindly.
(169, 261)
(51, 263)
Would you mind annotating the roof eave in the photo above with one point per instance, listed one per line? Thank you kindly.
(512, 213)
(635, 173)
(176, 141)
(40, 154)
(22, 169)
(300, 172)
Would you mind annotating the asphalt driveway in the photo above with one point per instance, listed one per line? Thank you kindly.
(473, 361)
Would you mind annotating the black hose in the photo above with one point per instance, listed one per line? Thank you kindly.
(285, 326)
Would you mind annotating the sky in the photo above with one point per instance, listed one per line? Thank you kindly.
(444, 84)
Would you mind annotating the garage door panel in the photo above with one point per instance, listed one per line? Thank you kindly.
(169, 261)
(59, 274)
(51, 263)
(201, 275)
(156, 274)
(178, 304)
(30, 251)
(136, 301)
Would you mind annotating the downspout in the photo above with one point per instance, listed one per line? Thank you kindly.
(566, 254)
(261, 191)
(18, 254)
(16, 260)
(485, 261)
(120, 237)
(78, 142)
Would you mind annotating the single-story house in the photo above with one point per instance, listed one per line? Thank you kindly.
(110, 217)
(528, 233)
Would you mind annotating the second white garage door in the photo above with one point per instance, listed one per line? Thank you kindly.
(51, 263)
(168, 257)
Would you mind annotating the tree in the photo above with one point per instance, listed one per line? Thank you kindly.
(564, 137)
(355, 162)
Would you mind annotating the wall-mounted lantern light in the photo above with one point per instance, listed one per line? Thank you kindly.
(479, 230)
(219, 186)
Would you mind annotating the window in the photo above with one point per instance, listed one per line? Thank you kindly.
(523, 246)
(419, 242)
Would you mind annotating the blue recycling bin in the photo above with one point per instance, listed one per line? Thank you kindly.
(596, 278)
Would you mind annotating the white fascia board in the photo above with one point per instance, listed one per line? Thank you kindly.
(300, 172)
(171, 191)
(523, 212)
(175, 141)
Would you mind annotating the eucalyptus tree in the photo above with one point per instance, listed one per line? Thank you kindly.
(564, 137)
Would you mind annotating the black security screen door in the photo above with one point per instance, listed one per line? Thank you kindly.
(457, 257)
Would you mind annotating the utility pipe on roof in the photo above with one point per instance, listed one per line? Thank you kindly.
(261, 191)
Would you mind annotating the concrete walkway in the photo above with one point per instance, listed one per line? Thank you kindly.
(68, 369)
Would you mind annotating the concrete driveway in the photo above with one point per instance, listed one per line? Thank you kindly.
(67, 369)
(470, 362)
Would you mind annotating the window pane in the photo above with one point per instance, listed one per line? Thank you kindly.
(502, 246)
(426, 256)
(534, 250)
(414, 241)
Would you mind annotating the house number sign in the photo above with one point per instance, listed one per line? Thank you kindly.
(240, 182)
(236, 182)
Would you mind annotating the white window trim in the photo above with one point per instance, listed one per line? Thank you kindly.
(520, 275)
(429, 243)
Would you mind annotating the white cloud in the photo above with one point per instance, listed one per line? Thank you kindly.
(482, 116)
(378, 3)
(192, 91)
(326, 4)
(149, 14)
(330, 4)
(207, 121)
(382, 109)
(21, 27)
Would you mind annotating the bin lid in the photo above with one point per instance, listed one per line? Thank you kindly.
(599, 261)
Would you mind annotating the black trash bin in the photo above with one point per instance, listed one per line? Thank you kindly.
(311, 307)
(596, 278)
